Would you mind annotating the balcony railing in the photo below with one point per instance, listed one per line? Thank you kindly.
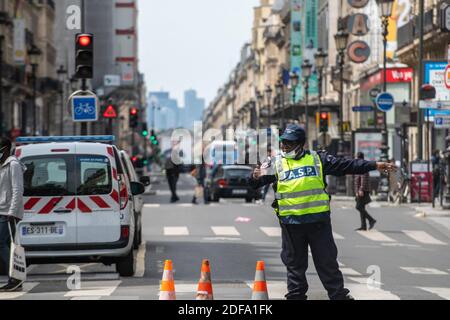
(410, 31)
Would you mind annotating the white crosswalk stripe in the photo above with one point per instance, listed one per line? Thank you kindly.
(94, 290)
(337, 236)
(444, 293)
(365, 292)
(422, 237)
(424, 271)
(225, 231)
(375, 235)
(27, 287)
(176, 231)
(271, 232)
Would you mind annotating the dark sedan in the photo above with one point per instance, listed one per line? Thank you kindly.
(230, 182)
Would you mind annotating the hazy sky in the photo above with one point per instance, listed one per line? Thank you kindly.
(192, 44)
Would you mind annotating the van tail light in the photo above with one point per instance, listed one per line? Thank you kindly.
(125, 232)
(222, 183)
(18, 152)
(123, 193)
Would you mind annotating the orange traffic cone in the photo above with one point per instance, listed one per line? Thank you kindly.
(205, 290)
(260, 285)
(167, 289)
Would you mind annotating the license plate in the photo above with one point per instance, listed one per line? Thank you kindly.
(239, 191)
(43, 230)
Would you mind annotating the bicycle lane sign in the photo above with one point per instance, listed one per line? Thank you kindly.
(85, 108)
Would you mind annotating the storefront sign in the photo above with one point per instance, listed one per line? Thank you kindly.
(358, 24)
(358, 4)
(358, 51)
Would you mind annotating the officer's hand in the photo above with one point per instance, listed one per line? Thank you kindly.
(385, 167)
(257, 173)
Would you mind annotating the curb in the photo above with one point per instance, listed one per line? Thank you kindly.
(425, 212)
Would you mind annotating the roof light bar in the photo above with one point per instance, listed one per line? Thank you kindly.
(31, 140)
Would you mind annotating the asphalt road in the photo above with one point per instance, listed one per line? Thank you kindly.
(406, 257)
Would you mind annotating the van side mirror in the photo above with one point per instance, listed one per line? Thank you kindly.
(137, 188)
(145, 180)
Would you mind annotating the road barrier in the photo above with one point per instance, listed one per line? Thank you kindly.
(167, 289)
(205, 290)
(260, 284)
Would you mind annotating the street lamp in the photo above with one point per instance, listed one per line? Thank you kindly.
(259, 99)
(62, 73)
(4, 22)
(385, 7)
(294, 84)
(280, 97)
(320, 57)
(341, 39)
(34, 54)
(269, 92)
(306, 74)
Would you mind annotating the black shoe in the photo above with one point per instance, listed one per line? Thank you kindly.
(348, 297)
(372, 224)
(361, 229)
(12, 286)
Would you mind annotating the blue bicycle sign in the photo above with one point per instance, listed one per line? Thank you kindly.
(84, 108)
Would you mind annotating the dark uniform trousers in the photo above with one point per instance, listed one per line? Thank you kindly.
(319, 237)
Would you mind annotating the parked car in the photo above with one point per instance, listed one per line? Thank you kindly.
(230, 182)
(138, 200)
(77, 202)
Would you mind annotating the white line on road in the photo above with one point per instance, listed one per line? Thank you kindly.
(375, 235)
(422, 237)
(152, 206)
(271, 232)
(176, 231)
(444, 293)
(424, 271)
(350, 272)
(337, 236)
(365, 281)
(100, 289)
(364, 292)
(140, 261)
(27, 287)
(225, 231)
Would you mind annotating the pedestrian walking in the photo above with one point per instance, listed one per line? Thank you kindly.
(172, 174)
(199, 173)
(11, 207)
(436, 162)
(362, 193)
(303, 207)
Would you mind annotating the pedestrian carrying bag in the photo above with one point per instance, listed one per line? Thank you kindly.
(17, 260)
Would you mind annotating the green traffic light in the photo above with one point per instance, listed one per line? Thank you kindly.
(145, 133)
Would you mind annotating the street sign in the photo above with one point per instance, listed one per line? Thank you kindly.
(375, 92)
(85, 108)
(110, 112)
(385, 102)
(434, 105)
(447, 77)
(434, 75)
(362, 109)
(442, 122)
(112, 80)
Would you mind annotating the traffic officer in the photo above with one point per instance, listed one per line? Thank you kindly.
(303, 207)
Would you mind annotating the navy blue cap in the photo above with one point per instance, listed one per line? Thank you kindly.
(294, 133)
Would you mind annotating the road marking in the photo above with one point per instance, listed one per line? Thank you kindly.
(422, 237)
(424, 271)
(350, 272)
(150, 206)
(276, 289)
(27, 287)
(225, 231)
(221, 239)
(364, 280)
(337, 236)
(176, 231)
(375, 235)
(271, 232)
(140, 261)
(365, 292)
(100, 289)
(444, 293)
(185, 205)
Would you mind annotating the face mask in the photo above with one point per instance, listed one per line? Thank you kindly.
(292, 154)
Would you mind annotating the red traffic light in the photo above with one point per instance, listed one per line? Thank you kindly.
(324, 115)
(84, 40)
(134, 111)
(134, 159)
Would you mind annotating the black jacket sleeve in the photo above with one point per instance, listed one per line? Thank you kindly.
(262, 181)
(334, 166)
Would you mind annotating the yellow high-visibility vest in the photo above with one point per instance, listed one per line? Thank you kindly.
(300, 187)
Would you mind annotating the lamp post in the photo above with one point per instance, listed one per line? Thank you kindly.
(62, 73)
(34, 54)
(385, 7)
(306, 74)
(341, 39)
(320, 57)
(280, 98)
(269, 92)
(4, 22)
(294, 84)
(259, 99)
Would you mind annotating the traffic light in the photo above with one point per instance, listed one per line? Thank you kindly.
(134, 118)
(324, 122)
(154, 138)
(144, 130)
(84, 56)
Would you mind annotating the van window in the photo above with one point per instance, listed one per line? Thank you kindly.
(95, 176)
(48, 176)
(238, 173)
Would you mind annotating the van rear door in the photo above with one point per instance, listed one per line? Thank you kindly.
(49, 197)
(98, 209)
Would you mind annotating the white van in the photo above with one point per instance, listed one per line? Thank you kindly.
(77, 201)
